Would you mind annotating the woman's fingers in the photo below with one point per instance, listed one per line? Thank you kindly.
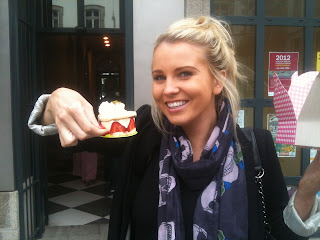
(67, 139)
(78, 123)
(70, 131)
(86, 120)
(73, 116)
(88, 109)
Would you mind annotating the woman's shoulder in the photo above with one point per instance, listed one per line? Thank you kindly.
(261, 135)
(146, 142)
(148, 133)
(263, 142)
(143, 115)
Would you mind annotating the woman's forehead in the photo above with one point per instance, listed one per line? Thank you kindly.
(180, 45)
(179, 53)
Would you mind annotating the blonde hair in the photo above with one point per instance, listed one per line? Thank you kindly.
(214, 36)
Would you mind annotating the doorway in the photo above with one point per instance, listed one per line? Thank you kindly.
(85, 64)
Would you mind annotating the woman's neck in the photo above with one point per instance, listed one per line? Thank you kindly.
(199, 134)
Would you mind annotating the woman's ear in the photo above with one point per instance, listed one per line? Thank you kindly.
(223, 72)
(217, 85)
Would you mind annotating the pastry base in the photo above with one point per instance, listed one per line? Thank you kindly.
(120, 136)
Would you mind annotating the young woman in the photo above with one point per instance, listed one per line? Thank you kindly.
(189, 173)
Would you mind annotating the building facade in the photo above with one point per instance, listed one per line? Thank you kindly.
(48, 44)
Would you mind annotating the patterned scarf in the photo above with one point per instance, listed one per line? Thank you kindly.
(221, 211)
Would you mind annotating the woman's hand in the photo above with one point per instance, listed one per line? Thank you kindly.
(309, 186)
(73, 115)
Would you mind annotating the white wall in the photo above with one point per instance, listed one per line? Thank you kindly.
(6, 148)
(150, 18)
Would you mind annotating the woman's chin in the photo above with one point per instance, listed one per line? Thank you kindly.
(177, 121)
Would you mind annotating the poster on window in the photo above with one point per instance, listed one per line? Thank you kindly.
(240, 118)
(313, 153)
(318, 61)
(284, 64)
(283, 150)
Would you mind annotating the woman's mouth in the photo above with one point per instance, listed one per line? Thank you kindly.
(177, 104)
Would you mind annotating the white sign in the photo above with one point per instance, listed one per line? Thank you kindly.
(240, 119)
(313, 153)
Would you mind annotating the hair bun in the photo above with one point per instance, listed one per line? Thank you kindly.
(201, 20)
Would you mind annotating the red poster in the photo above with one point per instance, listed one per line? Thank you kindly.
(284, 64)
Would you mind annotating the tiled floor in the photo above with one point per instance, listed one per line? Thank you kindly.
(71, 202)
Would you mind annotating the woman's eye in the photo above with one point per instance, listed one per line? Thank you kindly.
(185, 74)
(159, 77)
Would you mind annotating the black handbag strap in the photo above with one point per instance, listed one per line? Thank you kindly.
(248, 132)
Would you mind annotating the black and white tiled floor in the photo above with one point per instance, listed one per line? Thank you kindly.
(71, 202)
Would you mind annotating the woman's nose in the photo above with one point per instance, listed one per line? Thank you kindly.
(171, 87)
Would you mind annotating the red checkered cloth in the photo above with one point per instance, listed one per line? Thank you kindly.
(287, 122)
(288, 104)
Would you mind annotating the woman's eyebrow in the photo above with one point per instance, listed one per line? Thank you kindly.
(157, 71)
(183, 67)
(177, 69)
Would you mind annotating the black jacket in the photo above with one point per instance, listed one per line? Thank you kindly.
(140, 157)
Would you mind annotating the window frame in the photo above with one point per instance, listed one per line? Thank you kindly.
(260, 21)
(101, 16)
(45, 25)
(59, 10)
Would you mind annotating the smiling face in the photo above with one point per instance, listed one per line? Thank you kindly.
(183, 86)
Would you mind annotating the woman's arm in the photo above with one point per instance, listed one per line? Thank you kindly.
(306, 227)
(73, 116)
(308, 188)
(302, 214)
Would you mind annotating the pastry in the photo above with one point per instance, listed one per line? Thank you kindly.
(118, 121)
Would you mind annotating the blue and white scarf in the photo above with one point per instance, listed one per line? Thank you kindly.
(221, 211)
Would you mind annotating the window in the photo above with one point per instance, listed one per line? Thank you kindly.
(94, 16)
(234, 7)
(285, 8)
(57, 13)
(90, 14)
(261, 27)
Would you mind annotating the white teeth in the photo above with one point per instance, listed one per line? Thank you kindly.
(176, 104)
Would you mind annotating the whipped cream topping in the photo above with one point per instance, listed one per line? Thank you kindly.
(114, 110)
